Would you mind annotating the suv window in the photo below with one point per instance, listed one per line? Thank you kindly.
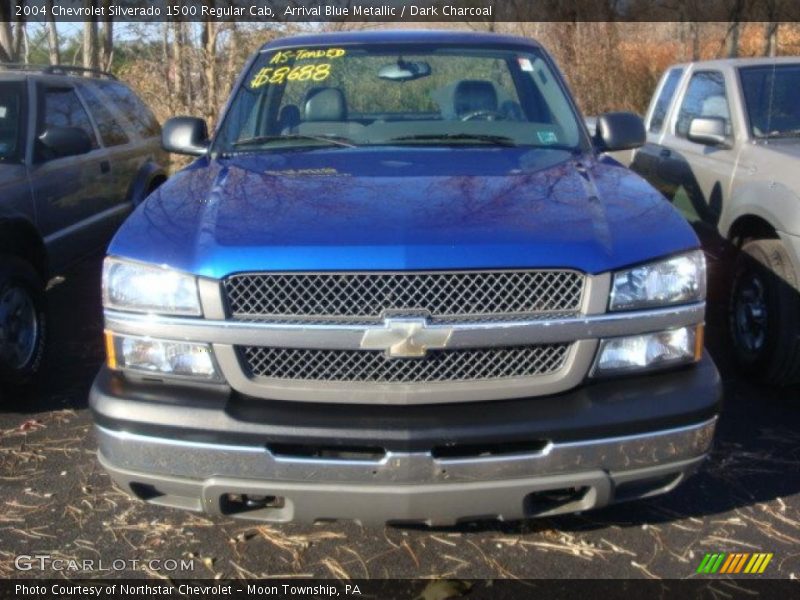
(62, 108)
(705, 97)
(134, 109)
(11, 130)
(664, 99)
(111, 131)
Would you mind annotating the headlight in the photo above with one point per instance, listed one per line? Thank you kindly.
(649, 351)
(161, 357)
(147, 288)
(677, 280)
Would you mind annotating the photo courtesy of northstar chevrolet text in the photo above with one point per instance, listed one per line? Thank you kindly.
(403, 299)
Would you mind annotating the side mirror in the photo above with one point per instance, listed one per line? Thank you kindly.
(709, 131)
(185, 135)
(619, 131)
(65, 141)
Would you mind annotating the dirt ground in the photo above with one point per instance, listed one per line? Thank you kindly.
(55, 500)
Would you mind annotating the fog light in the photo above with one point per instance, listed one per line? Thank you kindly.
(649, 351)
(161, 357)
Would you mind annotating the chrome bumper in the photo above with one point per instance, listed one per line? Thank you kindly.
(404, 486)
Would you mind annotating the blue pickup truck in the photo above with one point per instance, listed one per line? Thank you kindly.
(401, 283)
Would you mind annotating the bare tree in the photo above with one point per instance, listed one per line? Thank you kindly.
(771, 38)
(106, 38)
(773, 9)
(737, 8)
(12, 34)
(209, 48)
(176, 56)
(91, 59)
(52, 35)
(230, 65)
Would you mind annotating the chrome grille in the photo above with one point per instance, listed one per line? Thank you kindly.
(375, 367)
(451, 294)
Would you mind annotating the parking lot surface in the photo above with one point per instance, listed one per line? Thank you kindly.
(56, 500)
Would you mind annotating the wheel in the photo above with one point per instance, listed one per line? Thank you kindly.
(764, 313)
(23, 322)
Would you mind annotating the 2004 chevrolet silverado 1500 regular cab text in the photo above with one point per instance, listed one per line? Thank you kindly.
(401, 284)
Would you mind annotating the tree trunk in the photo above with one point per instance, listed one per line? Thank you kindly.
(186, 58)
(52, 36)
(6, 34)
(732, 40)
(229, 75)
(209, 41)
(106, 38)
(696, 41)
(18, 39)
(177, 62)
(771, 38)
(90, 44)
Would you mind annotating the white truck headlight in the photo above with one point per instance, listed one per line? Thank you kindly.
(149, 288)
(161, 357)
(649, 351)
(677, 280)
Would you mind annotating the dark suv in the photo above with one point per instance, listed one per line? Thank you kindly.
(76, 154)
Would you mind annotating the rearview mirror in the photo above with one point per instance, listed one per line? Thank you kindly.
(709, 131)
(65, 141)
(619, 131)
(404, 71)
(185, 135)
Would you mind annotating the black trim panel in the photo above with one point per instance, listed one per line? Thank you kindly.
(601, 409)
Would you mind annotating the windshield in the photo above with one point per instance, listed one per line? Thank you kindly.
(376, 95)
(770, 93)
(10, 121)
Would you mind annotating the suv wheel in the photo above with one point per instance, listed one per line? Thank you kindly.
(22, 321)
(765, 313)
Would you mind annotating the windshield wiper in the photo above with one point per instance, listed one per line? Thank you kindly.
(498, 140)
(334, 140)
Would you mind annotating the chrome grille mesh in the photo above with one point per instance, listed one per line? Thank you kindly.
(452, 294)
(376, 367)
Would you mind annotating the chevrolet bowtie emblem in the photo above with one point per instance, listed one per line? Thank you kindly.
(405, 338)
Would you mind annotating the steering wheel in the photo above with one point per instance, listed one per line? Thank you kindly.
(489, 115)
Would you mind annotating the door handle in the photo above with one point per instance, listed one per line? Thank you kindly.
(665, 153)
(105, 166)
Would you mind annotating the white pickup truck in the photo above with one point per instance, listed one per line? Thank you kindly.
(723, 143)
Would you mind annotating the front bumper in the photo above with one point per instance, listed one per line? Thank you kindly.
(222, 453)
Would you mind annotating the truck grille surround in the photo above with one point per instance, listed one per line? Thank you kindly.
(370, 296)
(367, 298)
(376, 367)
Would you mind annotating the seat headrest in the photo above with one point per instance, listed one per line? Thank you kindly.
(289, 116)
(472, 95)
(715, 106)
(325, 104)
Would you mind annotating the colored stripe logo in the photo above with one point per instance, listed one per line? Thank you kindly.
(735, 562)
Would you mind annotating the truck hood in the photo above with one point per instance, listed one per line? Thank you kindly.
(402, 208)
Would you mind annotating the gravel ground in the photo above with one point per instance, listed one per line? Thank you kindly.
(54, 498)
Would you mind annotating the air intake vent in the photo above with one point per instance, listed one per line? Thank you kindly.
(448, 295)
(376, 367)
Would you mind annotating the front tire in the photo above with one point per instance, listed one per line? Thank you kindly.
(23, 321)
(764, 313)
